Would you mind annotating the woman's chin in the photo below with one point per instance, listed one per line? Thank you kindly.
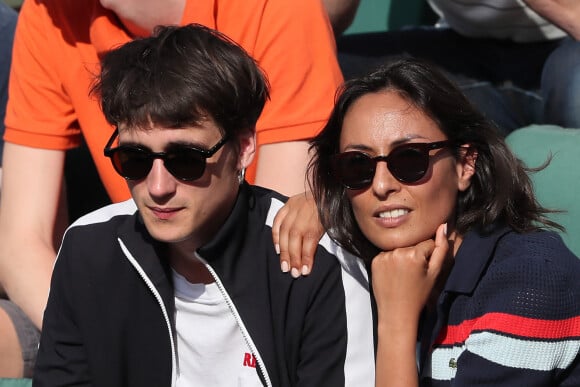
(393, 242)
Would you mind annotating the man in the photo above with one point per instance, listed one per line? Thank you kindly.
(57, 50)
(186, 289)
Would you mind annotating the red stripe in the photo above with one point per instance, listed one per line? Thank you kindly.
(511, 325)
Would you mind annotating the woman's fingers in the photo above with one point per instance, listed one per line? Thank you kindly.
(296, 232)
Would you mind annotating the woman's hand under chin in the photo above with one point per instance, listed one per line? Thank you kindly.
(404, 279)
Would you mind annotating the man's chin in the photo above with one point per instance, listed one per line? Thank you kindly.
(167, 234)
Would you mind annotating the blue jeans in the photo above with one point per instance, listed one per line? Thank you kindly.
(513, 84)
(560, 86)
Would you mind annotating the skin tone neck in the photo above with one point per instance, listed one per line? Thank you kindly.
(140, 17)
(186, 264)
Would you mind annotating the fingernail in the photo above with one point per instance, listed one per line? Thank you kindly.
(285, 267)
(277, 248)
(295, 273)
(445, 229)
(305, 270)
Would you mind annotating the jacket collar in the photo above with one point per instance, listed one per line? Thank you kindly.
(230, 238)
(227, 243)
(149, 254)
(472, 258)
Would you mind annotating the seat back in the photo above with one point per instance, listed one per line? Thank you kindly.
(15, 382)
(558, 185)
(384, 15)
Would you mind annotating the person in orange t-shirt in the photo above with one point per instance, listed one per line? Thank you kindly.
(57, 49)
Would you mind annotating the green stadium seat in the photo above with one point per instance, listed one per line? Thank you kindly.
(558, 185)
(383, 15)
(15, 382)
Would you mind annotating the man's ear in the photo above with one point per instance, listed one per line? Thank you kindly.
(247, 144)
(466, 166)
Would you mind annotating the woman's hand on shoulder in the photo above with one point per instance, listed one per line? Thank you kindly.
(296, 232)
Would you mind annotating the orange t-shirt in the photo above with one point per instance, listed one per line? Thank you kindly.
(56, 56)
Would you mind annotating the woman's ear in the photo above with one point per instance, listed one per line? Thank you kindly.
(466, 166)
(247, 144)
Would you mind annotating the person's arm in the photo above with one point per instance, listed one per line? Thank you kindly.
(562, 13)
(296, 49)
(282, 167)
(341, 13)
(403, 280)
(30, 224)
(296, 231)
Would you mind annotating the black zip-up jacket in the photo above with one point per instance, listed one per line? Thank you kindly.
(110, 314)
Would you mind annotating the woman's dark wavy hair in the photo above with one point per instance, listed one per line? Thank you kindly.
(500, 190)
(179, 76)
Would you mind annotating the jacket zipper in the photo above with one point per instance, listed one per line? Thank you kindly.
(157, 296)
(239, 321)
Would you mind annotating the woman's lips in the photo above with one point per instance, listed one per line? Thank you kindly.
(392, 217)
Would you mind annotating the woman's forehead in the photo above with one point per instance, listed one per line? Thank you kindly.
(386, 117)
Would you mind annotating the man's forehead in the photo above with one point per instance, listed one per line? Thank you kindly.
(204, 134)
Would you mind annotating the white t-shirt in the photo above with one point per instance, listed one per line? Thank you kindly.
(211, 350)
(502, 19)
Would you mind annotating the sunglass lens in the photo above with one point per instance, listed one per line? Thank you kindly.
(354, 169)
(408, 165)
(185, 164)
(132, 164)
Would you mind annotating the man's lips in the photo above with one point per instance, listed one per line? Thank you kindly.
(164, 213)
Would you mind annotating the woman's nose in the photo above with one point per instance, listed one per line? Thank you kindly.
(383, 181)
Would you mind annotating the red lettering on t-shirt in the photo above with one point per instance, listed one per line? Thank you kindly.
(249, 360)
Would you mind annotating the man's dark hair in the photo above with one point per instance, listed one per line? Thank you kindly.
(180, 76)
(500, 190)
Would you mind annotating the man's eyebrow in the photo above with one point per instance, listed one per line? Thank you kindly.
(169, 145)
(190, 144)
(133, 143)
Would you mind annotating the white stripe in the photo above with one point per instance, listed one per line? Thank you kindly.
(359, 367)
(100, 215)
(441, 363)
(274, 208)
(523, 353)
(505, 351)
(105, 213)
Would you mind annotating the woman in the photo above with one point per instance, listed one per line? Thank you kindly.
(409, 175)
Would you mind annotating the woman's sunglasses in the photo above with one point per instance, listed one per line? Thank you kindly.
(408, 163)
(185, 163)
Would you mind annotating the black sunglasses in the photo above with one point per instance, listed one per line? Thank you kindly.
(185, 163)
(408, 163)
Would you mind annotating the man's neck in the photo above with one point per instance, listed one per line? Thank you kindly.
(189, 266)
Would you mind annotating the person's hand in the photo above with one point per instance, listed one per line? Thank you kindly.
(562, 13)
(296, 232)
(403, 279)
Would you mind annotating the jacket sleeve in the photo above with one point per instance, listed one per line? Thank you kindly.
(325, 348)
(322, 350)
(62, 359)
